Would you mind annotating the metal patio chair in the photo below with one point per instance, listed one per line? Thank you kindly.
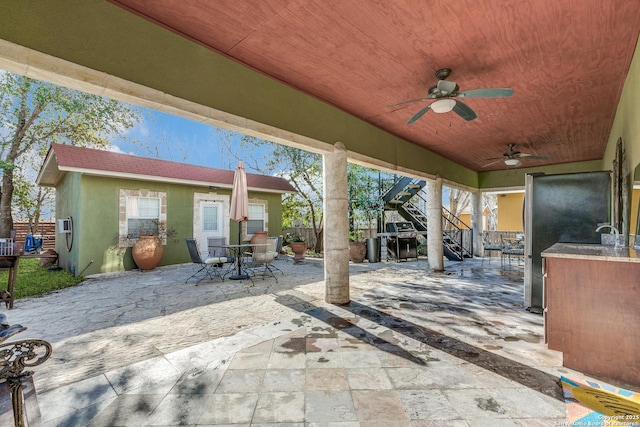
(217, 247)
(262, 257)
(511, 247)
(209, 267)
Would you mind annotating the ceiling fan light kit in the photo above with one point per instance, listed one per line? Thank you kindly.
(514, 158)
(443, 92)
(443, 105)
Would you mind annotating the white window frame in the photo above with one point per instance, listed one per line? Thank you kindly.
(150, 218)
(125, 238)
(265, 217)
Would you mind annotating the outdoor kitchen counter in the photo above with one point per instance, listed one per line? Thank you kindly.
(593, 251)
(592, 309)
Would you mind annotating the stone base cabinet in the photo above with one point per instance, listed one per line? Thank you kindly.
(592, 312)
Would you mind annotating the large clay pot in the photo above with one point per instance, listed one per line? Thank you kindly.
(48, 257)
(298, 249)
(259, 236)
(357, 251)
(147, 252)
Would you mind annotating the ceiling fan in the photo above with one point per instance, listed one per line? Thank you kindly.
(513, 157)
(444, 92)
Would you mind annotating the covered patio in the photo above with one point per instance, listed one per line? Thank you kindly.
(412, 348)
(437, 343)
(323, 77)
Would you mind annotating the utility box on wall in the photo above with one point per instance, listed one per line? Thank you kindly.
(64, 226)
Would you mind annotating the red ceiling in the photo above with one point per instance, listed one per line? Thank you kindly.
(565, 60)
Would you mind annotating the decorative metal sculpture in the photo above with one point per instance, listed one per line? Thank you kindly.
(14, 358)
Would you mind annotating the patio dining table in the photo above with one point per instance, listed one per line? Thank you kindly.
(238, 251)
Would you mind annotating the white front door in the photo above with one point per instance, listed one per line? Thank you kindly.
(211, 224)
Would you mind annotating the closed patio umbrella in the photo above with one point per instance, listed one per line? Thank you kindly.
(239, 208)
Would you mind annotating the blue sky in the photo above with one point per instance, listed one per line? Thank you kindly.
(176, 138)
(183, 140)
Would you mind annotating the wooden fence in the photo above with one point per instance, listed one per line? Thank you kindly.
(45, 229)
(308, 234)
(48, 231)
(492, 237)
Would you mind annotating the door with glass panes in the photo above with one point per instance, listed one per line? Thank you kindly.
(211, 224)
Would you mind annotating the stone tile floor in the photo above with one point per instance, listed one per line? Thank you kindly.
(413, 348)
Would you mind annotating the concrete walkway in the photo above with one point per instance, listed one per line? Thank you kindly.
(413, 348)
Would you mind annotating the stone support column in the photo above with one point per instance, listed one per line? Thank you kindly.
(336, 226)
(477, 223)
(435, 250)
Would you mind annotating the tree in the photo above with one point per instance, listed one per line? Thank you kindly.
(301, 168)
(304, 171)
(34, 114)
(30, 202)
(490, 202)
(365, 200)
(458, 201)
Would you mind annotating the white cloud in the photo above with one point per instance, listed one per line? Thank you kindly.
(143, 128)
(115, 149)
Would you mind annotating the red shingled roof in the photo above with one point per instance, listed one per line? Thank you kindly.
(69, 157)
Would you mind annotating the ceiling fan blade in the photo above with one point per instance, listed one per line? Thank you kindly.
(464, 111)
(445, 87)
(493, 163)
(486, 93)
(532, 157)
(419, 114)
(407, 102)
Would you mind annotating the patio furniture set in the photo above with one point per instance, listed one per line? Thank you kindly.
(509, 247)
(237, 261)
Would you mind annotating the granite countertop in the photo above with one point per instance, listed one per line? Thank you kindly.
(591, 251)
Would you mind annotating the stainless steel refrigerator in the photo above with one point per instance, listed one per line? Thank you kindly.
(564, 208)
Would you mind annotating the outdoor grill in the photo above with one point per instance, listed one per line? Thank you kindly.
(402, 240)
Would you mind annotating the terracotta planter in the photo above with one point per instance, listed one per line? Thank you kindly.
(259, 236)
(298, 249)
(147, 252)
(48, 257)
(357, 251)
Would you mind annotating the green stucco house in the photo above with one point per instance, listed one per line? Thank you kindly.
(102, 196)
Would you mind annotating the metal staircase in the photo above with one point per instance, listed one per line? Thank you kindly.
(401, 192)
(453, 237)
(412, 213)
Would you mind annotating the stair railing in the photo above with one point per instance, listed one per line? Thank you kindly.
(461, 240)
(457, 236)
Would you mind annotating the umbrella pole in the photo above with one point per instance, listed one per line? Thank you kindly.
(239, 275)
(239, 253)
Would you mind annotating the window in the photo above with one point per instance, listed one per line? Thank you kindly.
(256, 220)
(210, 217)
(143, 215)
(139, 211)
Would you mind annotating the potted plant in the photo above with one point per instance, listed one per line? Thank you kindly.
(357, 247)
(298, 245)
(148, 244)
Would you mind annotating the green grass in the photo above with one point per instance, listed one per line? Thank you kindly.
(35, 280)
